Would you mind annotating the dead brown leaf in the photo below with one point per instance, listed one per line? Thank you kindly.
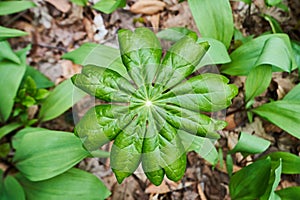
(148, 7)
(61, 5)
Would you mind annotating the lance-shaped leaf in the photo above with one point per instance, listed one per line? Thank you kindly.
(294, 94)
(10, 7)
(11, 75)
(45, 160)
(207, 92)
(214, 19)
(216, 54)
(180, 61)
(73, 184)
(274, 50)
(6, 33)
(101, 124)
(127, 149)
(146, 126)
(285, 114)
(141, 53)
(10, 188)
(289, 193)
(104, 84)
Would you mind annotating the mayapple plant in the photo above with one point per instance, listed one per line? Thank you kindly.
(154, 112)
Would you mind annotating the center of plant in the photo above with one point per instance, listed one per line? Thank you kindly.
(148, 103)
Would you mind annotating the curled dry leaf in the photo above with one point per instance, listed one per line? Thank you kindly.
(148, 7)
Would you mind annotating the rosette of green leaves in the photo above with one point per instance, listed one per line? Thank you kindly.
(152, 105)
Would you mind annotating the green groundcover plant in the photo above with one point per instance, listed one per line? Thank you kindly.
(153, 111)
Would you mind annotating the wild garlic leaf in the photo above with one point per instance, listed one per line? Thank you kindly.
(148, 114)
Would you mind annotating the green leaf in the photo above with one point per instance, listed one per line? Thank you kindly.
(273, 23)
(10, 188)
(296, 50)
(214, 19)
(229, 165)
(273, 181)
(289, 193)
(285, 114)
(10, 7)
(206, 92)
(89, 54)
(274, 49)
(294, 94)
(258, 81)
(203, 146)
(180, 61)
(272, 2)
(11, 75)
(74, 184)
(4, 150)
(40, 79)
(290, 162)
(108, 6)
(216, 54)
(141, 54)
(250, 144)
(250, 182)
(246, 1)
(62, 98)
(54, 152)
(8, 128)
(143, 115)
(6, 33)
(7, 53)
(80, 2)
(104, 84)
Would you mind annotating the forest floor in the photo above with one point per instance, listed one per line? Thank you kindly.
(57, 27)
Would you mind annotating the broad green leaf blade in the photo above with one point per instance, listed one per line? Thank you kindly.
(203, 146)
(294, 94)
(216, 54)
(285, 114)
(290, 193)
(7, 53)
(206, 92)
(192, 122)
(101, 124)
(273, 49)
(74, 184)
(11, 75)
(273, 182)
(6, 129)
(98, 55)
(10, 7)
(108, 6)
(80, 2)
(250, 144)
(162, 150)
(104, 84)
(180, 61)
(62, 98)
(126, 151)
(141, 53)
(214, 19)
(40, 79)
(18, 137)
(10, 188)
(258, 80)
(6, 33)
(250, 182)
(54, 152)
(290, 162)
